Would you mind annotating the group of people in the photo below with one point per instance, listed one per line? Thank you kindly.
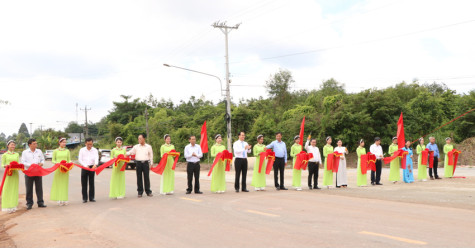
(88, 157)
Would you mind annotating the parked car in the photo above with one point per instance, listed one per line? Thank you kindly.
(131, 164)
(104, 156)
(49, 154)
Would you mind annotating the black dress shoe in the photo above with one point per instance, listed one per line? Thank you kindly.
(284, 188)
(28, 207)
(372, 183)
(431, 178)
(150, 195)
(92, 200)
(379, 184)
(237, 190)
(188, 192)
(245, 190)
(139, 196)
(84, 201)
(438, 178)
(42, 206)
(277, 188)
(310, 187)
(316, 187)
(198, 192)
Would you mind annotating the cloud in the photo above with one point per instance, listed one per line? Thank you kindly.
(54, 54)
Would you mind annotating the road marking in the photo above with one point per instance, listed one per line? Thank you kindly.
(262, 213)
(410, 241)
(190, 199)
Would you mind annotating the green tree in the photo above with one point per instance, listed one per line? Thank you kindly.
(278, 86)
(23, 130)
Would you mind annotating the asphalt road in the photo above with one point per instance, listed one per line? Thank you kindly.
(438, 213)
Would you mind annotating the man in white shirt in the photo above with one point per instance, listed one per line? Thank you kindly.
(88, 157)
(241, 149)
(314, 163)
(192, 155)
(377, 150)
(144, 159)
(28, 157)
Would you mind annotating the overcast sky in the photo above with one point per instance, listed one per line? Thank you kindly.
(54, 54)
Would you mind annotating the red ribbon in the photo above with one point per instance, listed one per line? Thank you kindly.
(367, 162)
(224, 156)
(333, 161)
(453, 157)
(270, 155)
(424, 156)
(431, 159)
(397, 154)
(163, 162)
(302, 160)
(14, 165)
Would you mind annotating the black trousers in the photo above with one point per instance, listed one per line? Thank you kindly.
(313, 173)
(193, 169)
(240, 166)
(376, 175)
(38, 181)
(279, 165)
(85, 177)
(436, 164)
(143, 171)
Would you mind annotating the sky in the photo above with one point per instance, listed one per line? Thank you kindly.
(57, 55)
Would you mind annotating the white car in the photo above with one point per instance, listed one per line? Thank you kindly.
(48, 154)
(105, 156)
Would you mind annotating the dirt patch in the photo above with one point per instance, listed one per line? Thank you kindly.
(467, 147)
(5, 239)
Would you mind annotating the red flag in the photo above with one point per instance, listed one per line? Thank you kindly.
(204, 139)
(400, 133)
(301, 131)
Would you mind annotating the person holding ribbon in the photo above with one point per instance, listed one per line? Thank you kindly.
(421, 169)
(167, 184)
(361, 179)
(259, 178)
(218, 176)
(280, 162)
(144, 158)
(60, 186)
(377, 150)
(241, 149)
(117, 184)
(432, 146)
(88, 157)
(327, 174)
(448, 169)
(408, 176)
(296, 173)
(313, 163)
(394, 173)
(11, 181)
(341, 175)
(28, 157)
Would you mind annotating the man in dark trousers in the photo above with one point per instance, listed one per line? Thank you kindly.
(28, 157)
(377, 150)
(241, 149)
(88, 157)
(432, 146)
(280, 150)
(193, 154)
(144, 158)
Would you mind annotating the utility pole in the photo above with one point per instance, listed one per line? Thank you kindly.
(146, 120)
(31, 129)
(226, 30)
(85, 126)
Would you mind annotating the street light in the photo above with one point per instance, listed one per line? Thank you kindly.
(228, 101)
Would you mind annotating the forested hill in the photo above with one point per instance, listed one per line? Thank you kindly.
(329, 111)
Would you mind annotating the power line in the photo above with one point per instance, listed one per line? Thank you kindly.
(357, 43)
